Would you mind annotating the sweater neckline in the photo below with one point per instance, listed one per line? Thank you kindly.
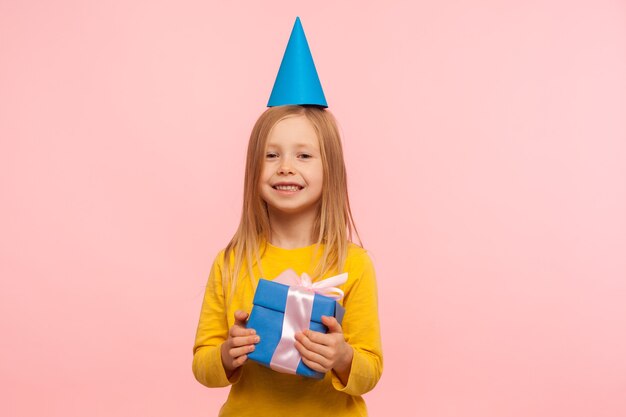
(293, 252)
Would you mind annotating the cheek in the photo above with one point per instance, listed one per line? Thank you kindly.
(263, 180)
(320, 174)
(265, 173)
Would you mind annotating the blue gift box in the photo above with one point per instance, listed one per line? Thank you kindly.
(267, 317)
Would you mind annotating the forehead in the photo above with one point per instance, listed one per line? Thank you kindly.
(293, 131)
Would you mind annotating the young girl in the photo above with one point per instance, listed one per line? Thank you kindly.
(296, 215)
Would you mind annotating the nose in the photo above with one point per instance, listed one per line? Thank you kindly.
(286, 167)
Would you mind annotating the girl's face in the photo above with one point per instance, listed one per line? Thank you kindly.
(292, 173)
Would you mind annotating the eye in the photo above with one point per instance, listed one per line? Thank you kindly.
(271, 155)
(305, 156)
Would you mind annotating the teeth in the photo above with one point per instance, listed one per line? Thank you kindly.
(287, 187)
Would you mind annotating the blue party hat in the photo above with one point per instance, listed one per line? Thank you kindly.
(297, 81)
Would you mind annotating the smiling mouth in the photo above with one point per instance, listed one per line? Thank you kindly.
(291, 187)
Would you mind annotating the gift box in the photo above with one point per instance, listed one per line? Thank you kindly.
(284, 307)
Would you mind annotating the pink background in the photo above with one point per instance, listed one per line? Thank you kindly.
(486, 148)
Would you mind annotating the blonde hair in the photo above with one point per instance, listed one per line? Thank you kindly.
(333, 226)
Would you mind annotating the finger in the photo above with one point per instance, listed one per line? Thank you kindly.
(240, 351)
(236, 331)
(319, 338)
(332, 324)
(244, 340)
(241, 317)
(240, 361)
(312, 346)
(315, 366)
(311, 359)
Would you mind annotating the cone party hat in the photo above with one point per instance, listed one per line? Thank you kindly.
(297, 82)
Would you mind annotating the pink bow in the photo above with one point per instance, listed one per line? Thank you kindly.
(324, 287)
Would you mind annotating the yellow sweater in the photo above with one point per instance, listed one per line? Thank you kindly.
(259, 391)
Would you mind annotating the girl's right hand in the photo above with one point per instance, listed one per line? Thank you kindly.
(240, 342)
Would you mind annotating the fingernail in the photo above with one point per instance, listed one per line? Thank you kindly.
(257, 339)
(252, 331)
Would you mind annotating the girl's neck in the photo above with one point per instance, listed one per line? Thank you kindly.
(291, 231)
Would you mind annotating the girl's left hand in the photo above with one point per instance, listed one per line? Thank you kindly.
(323, 352)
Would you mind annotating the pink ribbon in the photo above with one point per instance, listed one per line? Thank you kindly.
(298, 313)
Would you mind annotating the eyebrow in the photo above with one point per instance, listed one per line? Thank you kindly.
(297, 145)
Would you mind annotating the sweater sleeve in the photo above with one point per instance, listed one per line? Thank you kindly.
(362, 329)
(212, 332)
